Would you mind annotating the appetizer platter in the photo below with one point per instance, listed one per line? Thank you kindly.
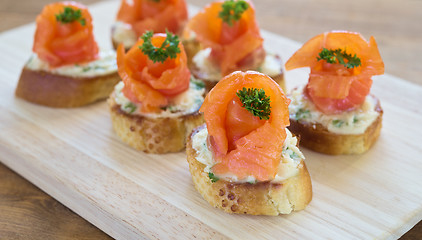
(75, 156)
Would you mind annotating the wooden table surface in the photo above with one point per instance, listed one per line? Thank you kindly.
(28, 213)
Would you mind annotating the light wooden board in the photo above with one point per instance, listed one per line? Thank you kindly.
(74, 156)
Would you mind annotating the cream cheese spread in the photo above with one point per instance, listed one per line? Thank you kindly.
(182, 104)
(104, 65)
(271, 65)
(123, 33)
(351, 122)
(291, 158)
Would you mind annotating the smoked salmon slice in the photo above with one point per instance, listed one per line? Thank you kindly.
(231, 45)
(334, 88)
(67, 41)
(149, 83)
(244, 145)
(153, 15)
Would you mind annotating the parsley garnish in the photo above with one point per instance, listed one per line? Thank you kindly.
(339, 56)
(213, 177)
(255, 101)
(70, 15)
(232, 11)
(169, 48)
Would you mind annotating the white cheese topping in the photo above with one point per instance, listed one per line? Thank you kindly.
(123, 33)
(291, 157)
(271, 65)
(184, 103)
(351, 122)
(104, 65)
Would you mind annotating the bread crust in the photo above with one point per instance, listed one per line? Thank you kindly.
(153, 135)
(317, 137)
(264, 198)
(61, 91)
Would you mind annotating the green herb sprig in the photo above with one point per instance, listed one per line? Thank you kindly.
(339, 56)
(169, 48)
(232, 11)
(70, 15)
(255, 101)
(213, 177)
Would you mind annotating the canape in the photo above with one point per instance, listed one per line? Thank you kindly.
(155, 106)
(334, 113)
(135, 17)
(244, 159)
(225, 37)
(66, 68)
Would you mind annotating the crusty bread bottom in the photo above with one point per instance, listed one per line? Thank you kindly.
(317, 137)
(60, 91)
(153, 135)
(263, 198)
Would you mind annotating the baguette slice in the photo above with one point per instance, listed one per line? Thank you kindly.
(317, 137)
(60, 91)
(153, 135)
(264, 198)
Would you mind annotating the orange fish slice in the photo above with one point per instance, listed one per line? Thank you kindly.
(332, 87)
(149, 83)
(157, 16)
(230, 44)
(242, 144)
(61, 43)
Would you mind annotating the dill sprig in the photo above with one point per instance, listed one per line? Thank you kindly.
(339, 56)
(169, 48)
(255, 101)
(70, 15)
(232, 11)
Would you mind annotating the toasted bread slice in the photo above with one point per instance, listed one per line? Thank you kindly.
(61, 91)
(317, 137)
(153, 135)
(264, 198)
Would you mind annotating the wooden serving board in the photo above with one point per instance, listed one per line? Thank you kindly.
(74, 155)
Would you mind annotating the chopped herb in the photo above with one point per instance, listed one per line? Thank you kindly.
(339, 56)
(232, 11)
(213, 177)
(252, 182)
(259, 69)
(355, 119)
(338, 123)
(294, 155)
(170, 108)
(302, 114)
(169, 48)
(86, 69)
(198, 84)
(255, 101)
(70, 15)
(131, 107)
